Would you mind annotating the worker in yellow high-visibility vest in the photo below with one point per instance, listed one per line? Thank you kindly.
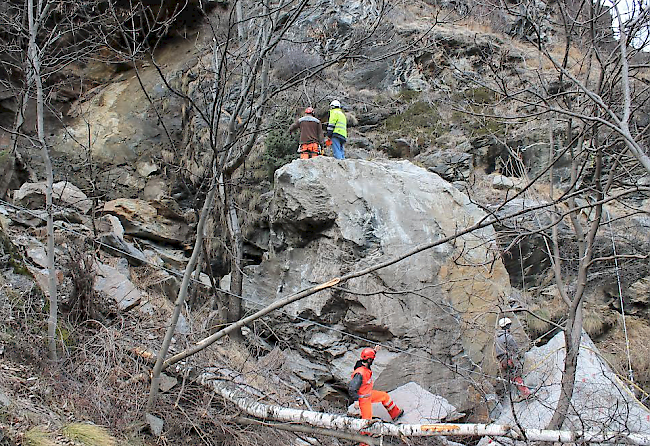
(337, 130)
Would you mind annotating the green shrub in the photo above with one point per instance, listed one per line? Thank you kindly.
(281, 147)
(478, 95)
(420, 115)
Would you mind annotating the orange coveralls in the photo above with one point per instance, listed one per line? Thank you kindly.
(367, 395)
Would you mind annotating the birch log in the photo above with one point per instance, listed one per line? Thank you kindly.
(246, 403)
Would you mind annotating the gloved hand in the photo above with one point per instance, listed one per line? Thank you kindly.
(328, 142)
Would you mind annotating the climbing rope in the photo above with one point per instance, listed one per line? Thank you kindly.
(620, 297)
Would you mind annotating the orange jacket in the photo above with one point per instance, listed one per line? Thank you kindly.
(365, 387)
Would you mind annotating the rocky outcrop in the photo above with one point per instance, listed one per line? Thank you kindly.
(149, 220)
(627, 233)
(328, 218)
(113, 241)
(451, 166)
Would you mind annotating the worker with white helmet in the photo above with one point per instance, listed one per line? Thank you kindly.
(337, 130)
(507, 352)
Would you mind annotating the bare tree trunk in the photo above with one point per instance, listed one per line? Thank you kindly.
(573, 329)
(253, 407)
(236, 248)
(35, 75)
(239, 15)
(197, 276)
(182, 296)
(572, 336)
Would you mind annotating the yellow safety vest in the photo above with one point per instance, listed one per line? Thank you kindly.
(338, 124)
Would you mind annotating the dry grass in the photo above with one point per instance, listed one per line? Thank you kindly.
(98, 385)
(481, 27)
(598, 319)
(38, 437)
(614, 349)
(534, 60)
(552, 308)
(88, 434)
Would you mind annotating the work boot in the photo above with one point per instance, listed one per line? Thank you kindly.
(394, 411)
(399, 415)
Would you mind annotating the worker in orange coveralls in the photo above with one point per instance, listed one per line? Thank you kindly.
(360, 388)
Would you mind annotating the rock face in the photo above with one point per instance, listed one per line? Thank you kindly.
(450, 166)
(329, 218)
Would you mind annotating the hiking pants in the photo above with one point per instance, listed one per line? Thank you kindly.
(376, 396)
(337, 147)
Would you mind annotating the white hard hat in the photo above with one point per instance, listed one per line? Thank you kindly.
(335, 104)
(504, 321)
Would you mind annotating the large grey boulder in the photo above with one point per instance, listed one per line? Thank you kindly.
(328, 218)
(64, 193)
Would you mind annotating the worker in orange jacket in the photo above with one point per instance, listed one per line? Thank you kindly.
(360, 388)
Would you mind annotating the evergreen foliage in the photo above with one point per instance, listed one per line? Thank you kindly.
(281, 147)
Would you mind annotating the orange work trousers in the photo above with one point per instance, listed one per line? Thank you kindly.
(309, 151)
(377, 396)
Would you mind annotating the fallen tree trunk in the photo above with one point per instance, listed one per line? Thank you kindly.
(251, 406)
(327, 422)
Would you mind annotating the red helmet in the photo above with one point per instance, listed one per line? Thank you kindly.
(309, 111)
(368, 353)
